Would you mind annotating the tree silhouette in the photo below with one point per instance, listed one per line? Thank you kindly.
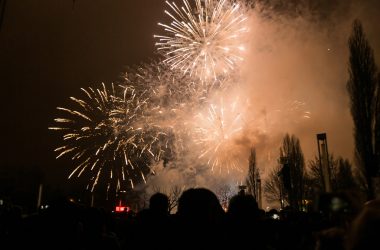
(345, 176)
(342, 177)
(291, 157)
(173, 193)
(363, 89)
(316, 173)
(253, 175)
(273, 188)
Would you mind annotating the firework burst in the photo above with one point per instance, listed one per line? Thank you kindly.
(173, 96)
(289, 113)
(168, 90)
(110, 136)
(218, 133)
(205, 38)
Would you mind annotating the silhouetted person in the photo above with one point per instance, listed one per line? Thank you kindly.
(10, 224)
(330, 239)
(339, 209)
(243, 207)
(57, 227)
(96, 233)
(152, 224)
(157, 213)
(364, 233)
(199, 206)
(200, 220)
(244, 223)
(159, 204)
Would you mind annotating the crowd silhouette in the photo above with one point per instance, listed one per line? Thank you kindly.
(199, 223)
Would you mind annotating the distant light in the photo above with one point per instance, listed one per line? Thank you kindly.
(276, 216)
(121, 209)
(1, 202)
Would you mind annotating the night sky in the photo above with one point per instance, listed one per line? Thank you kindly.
(50, 49)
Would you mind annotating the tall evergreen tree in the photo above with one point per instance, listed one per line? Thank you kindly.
(363, 89)
(292, 157)
(252, 172)
(345, 176)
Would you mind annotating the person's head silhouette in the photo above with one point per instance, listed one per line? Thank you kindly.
(159, 203)
(199, 205)
(243, 207)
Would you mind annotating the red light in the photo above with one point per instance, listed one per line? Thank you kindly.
(121, 209)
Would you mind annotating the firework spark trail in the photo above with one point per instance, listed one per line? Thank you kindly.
(110, 136)
(118, 136)
(206, 41)
(173, 96)
(167, 89)
(288, 114)
(216, 133)
(166, 110)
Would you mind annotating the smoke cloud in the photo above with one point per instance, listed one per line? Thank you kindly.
(299, 54)
(294, 79)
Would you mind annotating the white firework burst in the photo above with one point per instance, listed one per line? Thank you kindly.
(205, 38)
(109, 136)
(219, 135)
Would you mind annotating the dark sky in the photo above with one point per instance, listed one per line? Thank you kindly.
(49, 49)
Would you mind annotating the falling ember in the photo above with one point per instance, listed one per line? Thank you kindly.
(205, 40)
